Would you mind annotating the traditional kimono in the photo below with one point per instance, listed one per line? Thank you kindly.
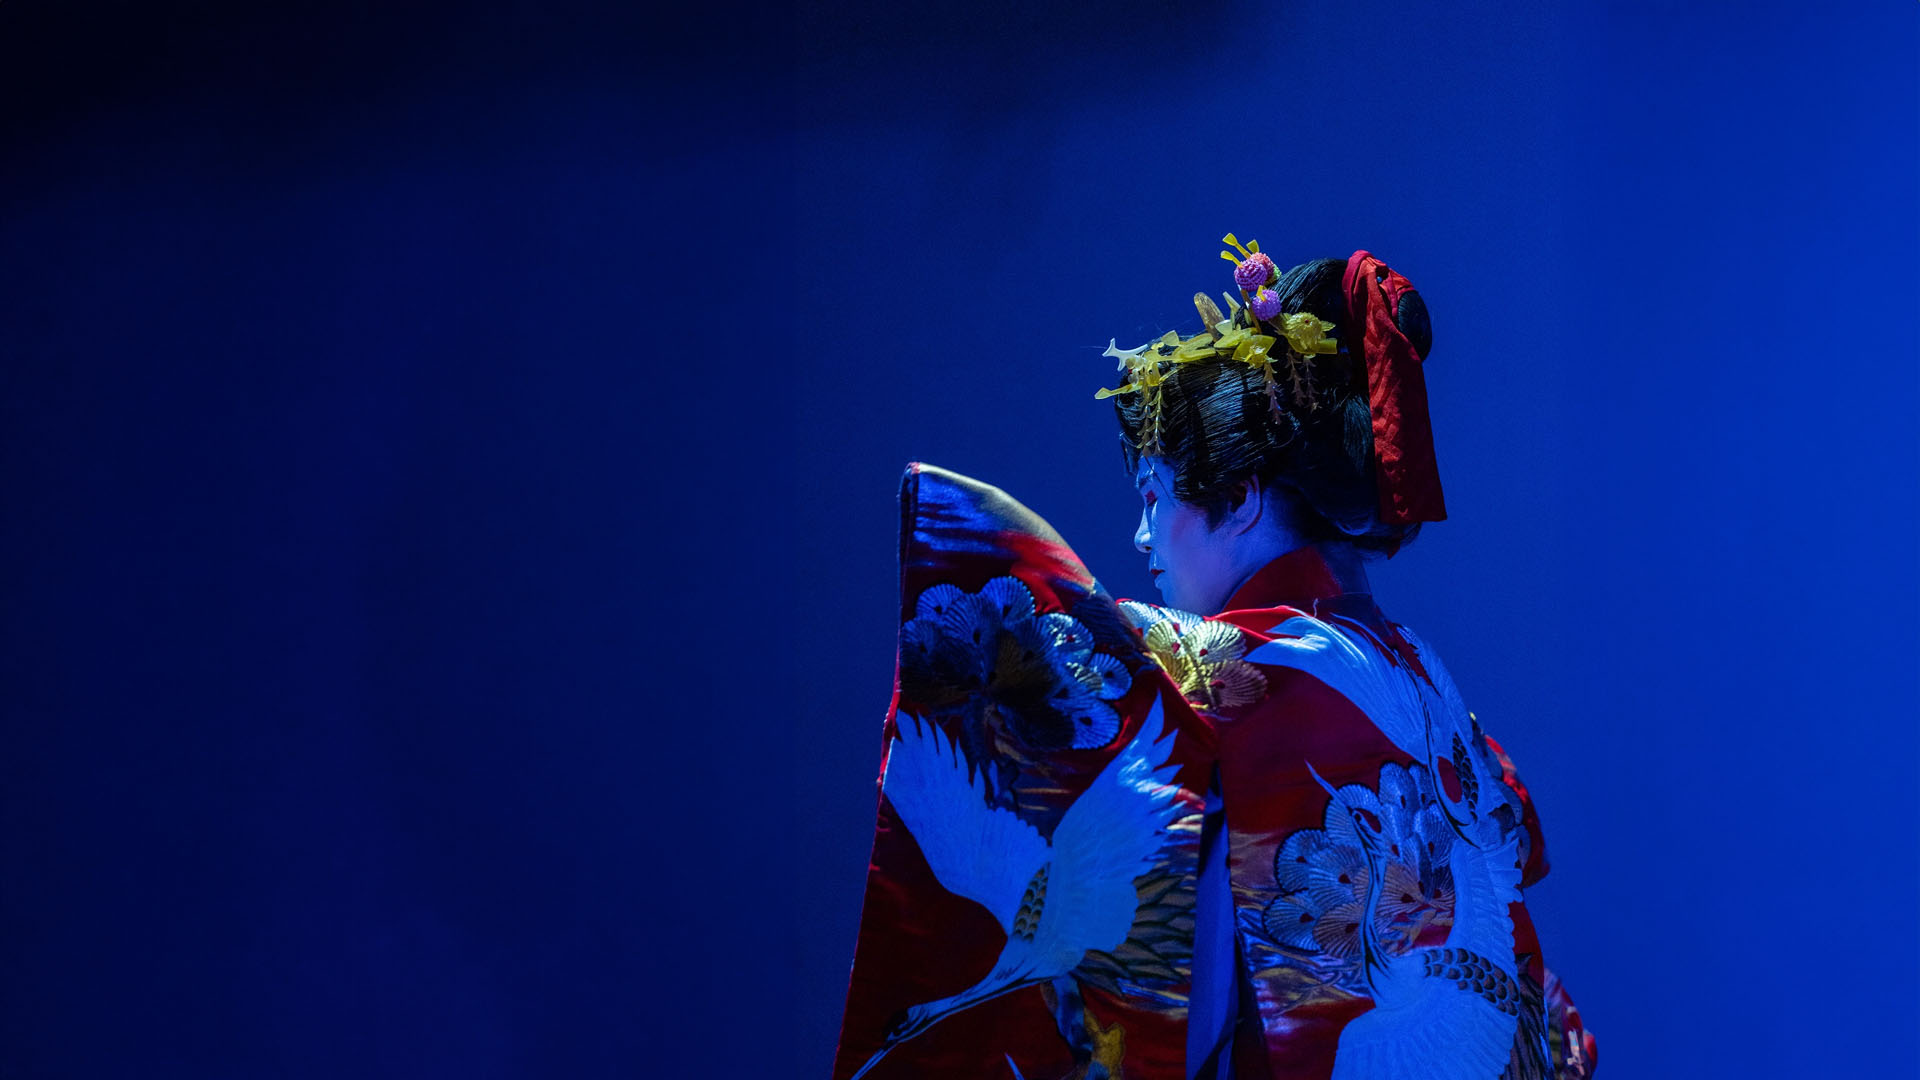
(1118, 840)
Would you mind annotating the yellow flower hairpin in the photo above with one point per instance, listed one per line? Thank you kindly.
(1307, 334)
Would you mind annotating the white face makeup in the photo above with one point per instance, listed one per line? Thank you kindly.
(1192, 564)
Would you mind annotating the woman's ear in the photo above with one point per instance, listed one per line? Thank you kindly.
(1246, 505)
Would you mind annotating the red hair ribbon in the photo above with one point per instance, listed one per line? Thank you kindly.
(1404, 469)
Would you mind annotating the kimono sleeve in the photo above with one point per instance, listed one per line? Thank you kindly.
(1029, 900)
(1536, 865)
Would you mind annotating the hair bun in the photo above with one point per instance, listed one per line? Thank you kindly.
(1410, 315)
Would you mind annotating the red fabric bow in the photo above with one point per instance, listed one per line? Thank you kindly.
(1404, 468)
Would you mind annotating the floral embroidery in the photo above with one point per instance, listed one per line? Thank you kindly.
(1398, 849)
(1032, 680)
(1322, 877)
(1201, 655)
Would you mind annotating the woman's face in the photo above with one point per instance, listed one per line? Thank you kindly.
(1190, 562)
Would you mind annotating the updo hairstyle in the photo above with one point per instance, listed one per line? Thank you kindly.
(1218, 427)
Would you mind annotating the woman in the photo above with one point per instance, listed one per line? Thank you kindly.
(1252, 833)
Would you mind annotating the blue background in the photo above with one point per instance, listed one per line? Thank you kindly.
(449, 460)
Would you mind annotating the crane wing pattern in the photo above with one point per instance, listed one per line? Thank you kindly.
(1108, 837)
(984, 853)
(1057, 900)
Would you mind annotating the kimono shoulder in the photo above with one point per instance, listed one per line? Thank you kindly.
(1376, 832)
(1328, 678)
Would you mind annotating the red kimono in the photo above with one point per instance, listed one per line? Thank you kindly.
(1117, 840)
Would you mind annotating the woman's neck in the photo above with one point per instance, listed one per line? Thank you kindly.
(1348, 566)
(1281, 531)
(1343, 561)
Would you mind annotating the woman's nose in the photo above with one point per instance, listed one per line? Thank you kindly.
(1143, 539)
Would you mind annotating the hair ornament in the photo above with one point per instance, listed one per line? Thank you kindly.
(1251, 349)
(1252, 271)
(1306, 334)
(1407, 475)
(1144, 375)
(1248, 334)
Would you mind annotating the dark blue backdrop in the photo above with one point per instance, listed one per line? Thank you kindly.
(449, 461)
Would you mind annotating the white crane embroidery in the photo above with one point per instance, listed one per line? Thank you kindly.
(1442, 1011)
(1057, 901)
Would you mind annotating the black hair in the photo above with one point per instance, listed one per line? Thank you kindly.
(1220, 425)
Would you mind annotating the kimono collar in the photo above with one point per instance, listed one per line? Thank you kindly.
(1299, 579)
(1302, 580)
